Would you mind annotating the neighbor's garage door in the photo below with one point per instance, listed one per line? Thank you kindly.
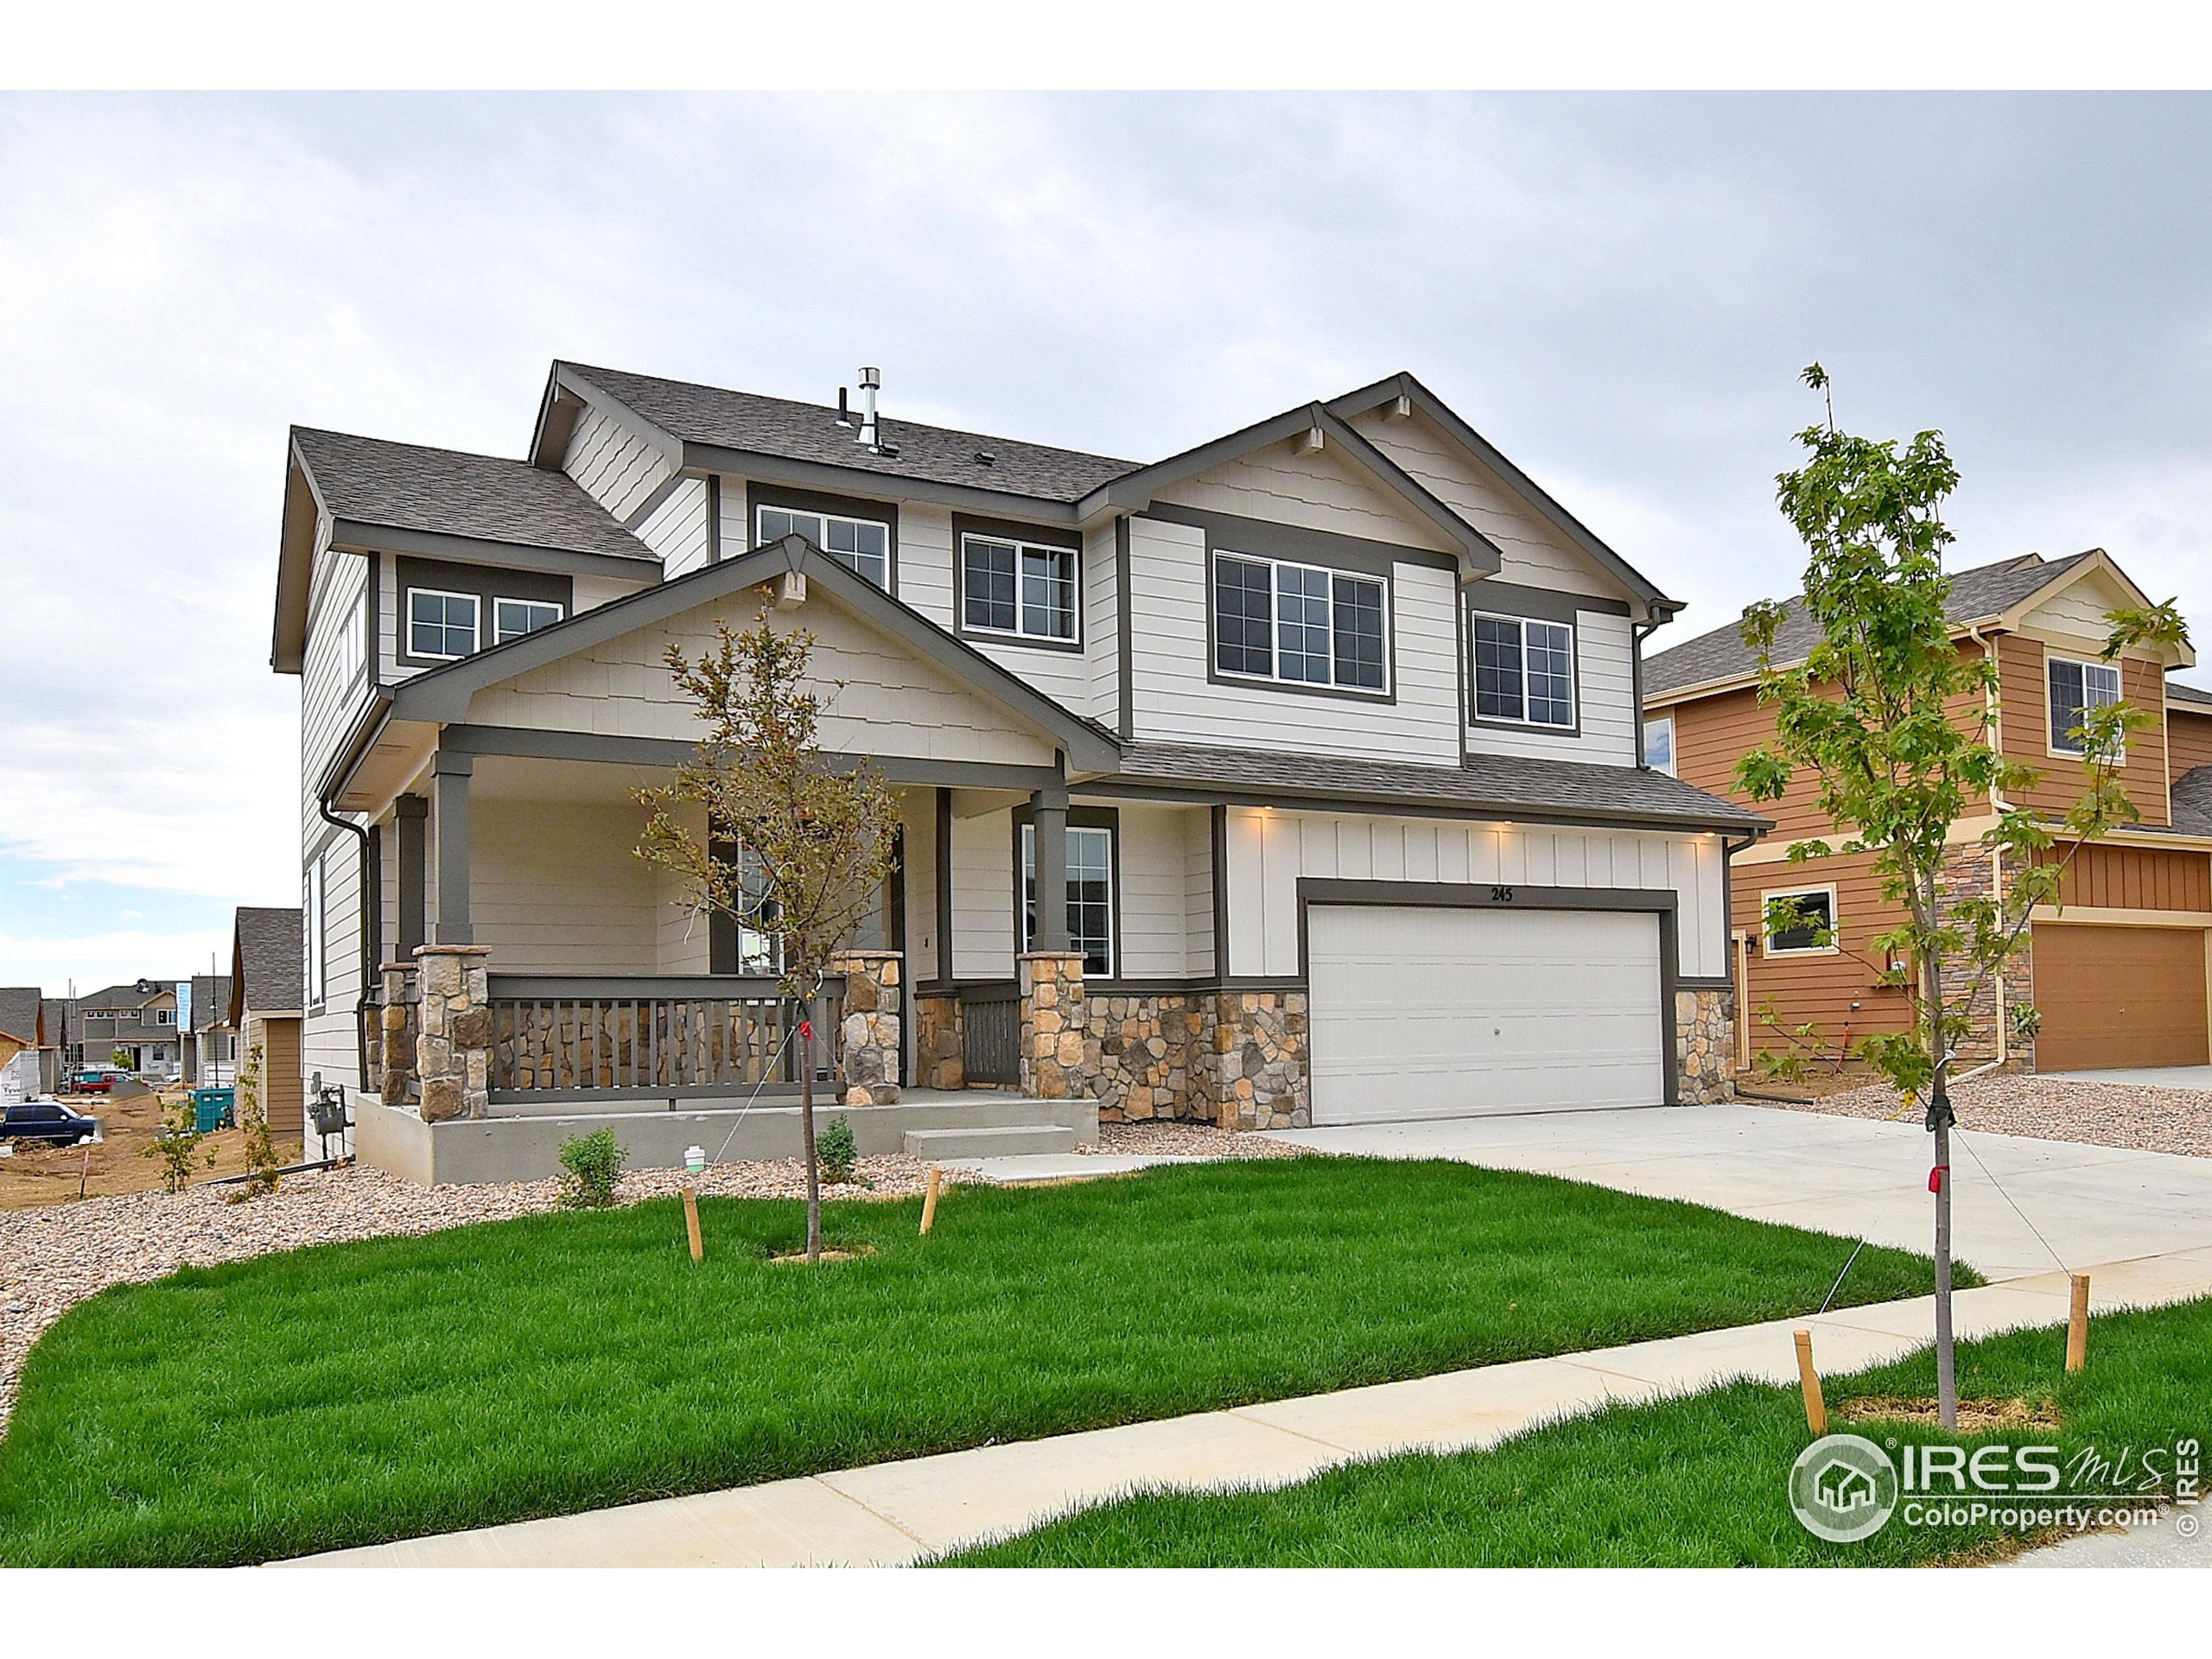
(1421, 1012)
(2119, 996)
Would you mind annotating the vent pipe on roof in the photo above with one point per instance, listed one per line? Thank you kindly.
(871, 383)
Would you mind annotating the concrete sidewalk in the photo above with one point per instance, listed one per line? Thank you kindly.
(892, 1513)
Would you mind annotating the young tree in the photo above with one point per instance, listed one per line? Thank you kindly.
(1895, 722)
(816, 835)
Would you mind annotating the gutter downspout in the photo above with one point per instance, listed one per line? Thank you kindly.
(368, 936)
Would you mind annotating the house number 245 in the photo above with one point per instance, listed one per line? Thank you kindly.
(1501, 895)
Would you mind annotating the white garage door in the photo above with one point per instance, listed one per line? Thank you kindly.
(1421, 1012)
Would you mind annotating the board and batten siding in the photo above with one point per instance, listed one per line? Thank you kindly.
(1534, 553)
(617, 467)
(1604, 699)
(1176, 701)
(890, 704)
(1269, 852)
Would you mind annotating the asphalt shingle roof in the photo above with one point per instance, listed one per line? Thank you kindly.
(1488, 783)
(211, 1000)
(448, 492)
(2177, 692)
(268, 951)
(19, 1006)
(1976, 596)
(776, 426)
(2192, 800)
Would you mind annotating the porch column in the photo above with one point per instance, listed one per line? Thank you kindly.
(449, 783)
(1049, 811)
(410, 816)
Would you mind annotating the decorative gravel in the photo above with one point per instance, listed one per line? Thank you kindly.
(1169, 1140)
(53, 1258)
(2054, 1109)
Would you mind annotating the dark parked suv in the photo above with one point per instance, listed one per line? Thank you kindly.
(46, 1120)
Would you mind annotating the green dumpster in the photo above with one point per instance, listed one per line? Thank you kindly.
(214, 1109)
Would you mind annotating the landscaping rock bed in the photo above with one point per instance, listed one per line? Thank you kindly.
(1165, 1138)
(53, 1258)
(2053, 1109)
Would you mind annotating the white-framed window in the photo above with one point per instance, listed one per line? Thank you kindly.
(1798, 922)
(2073, 688)
(1524, 671)
(353, 642)
(1659, 743)
(863, 544)
(311, 932)
(513, 618)
(1090, 894)
(441, 625)
(1300, 624)
(1023, 590)
(165, 1016)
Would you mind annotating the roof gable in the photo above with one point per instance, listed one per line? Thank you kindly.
(267, 973)
(446, 695)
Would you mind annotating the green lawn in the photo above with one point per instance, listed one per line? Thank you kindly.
(360, 1392)
(1692, 1481)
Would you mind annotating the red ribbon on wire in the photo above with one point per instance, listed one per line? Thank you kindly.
(806, 1030)
(1936, 1176)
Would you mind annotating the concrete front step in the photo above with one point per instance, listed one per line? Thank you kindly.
(1012, 1140)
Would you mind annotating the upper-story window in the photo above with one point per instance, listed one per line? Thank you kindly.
(1524, 671)
(441, 625)
(513, 618)
(353, 642)
(863, 544)
(1659, 744)
(1023, 590)
(1300, 624)
(2075, 688)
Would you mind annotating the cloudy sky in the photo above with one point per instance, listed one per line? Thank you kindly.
(1618, 291)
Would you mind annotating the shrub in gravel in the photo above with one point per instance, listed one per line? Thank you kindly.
(590, 1166)
(176, 1143)
(838, 1152)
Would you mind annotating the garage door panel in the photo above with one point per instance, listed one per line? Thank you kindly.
(1435, 1012)
(2119, 996)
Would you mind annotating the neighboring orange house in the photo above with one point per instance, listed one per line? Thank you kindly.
(2118, 970)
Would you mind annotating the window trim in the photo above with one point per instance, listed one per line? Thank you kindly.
(560, 615)
(1108, 818)
(857, 508)
(2049, 709)
(1574, 727)
(1767, 896)
(1217, 675)
(965, 527)
(475, 626)
(314, 935)
(1643, 747)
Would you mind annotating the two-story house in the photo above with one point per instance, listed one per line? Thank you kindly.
(2116, 971)
(131, 1025)
(1291, 780)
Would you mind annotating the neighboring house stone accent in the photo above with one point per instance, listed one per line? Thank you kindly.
(1059, 1055)
(1705, 1045)
(454, 1049)
(869, 1037)
(939, 1054)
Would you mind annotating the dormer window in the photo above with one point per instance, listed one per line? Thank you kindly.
(862, 543)
(2074, 688)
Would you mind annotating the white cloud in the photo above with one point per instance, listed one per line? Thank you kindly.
(97, 959)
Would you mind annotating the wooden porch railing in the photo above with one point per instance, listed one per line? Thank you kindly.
(653, 1037)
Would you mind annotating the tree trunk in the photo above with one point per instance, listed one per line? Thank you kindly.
(1939, 1122)
(807, 1009)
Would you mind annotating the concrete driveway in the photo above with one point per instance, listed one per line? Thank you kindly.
(2092, 1204)
(2198, 1077)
